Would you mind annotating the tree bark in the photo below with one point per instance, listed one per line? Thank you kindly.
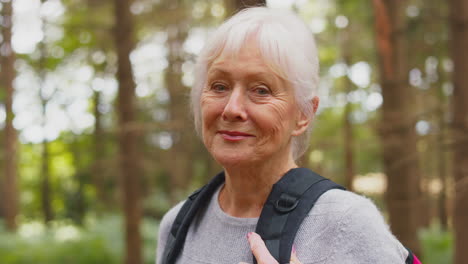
(442, 100)
(46, 191)
(397, 133)
(348, 126)
(459, 42)
(442, 170)
(7, 76)
(348, 143)
(241, 4)
(99, 151)
(130, 174)
(234, 6)
(180, 169)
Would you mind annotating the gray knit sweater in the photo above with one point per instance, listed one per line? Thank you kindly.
(342, 227)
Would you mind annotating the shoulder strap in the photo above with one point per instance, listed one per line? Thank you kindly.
(412, 258)
(289, 202)
(179, 229)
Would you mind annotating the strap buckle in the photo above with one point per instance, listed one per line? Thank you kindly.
(286, 203)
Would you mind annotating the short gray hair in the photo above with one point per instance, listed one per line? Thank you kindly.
(286, 44)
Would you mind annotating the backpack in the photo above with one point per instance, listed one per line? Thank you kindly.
(288, 203)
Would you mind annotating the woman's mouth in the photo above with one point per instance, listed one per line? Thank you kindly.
(234, 135)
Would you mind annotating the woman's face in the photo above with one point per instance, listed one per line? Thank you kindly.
(249, 114)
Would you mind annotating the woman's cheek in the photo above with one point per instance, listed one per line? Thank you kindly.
(208, 111)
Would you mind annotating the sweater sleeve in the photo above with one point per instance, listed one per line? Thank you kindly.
(364, 237)
(165, 229)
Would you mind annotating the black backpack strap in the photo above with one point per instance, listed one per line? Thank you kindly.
(289, 202)
(179, 229)
(410, 258)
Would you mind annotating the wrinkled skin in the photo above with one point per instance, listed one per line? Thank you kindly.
(243, 94)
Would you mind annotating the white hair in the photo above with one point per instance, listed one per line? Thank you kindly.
(285, 43)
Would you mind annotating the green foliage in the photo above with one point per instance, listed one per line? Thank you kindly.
(48, 250)
(100, 242)
(437, 245)
(158, 203)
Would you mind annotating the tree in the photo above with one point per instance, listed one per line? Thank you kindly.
(130, 174)
(248, 3)
(459, 42)
(7, 77)
(397, 133)
(233, 6)
(180, 169)
(348, 126)
(99, 150)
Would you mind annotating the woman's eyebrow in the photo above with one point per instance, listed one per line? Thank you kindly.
(218, 71)
(215, 71)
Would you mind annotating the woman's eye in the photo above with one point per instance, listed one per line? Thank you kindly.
(219, 87)
(262, 90)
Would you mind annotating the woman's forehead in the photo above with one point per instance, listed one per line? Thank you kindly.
(259, 63)
(246, 72)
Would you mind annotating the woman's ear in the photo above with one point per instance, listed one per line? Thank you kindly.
(303, 121)
(315, 104)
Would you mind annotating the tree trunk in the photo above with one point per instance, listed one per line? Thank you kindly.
(7, 76)
(348, 142)
(241, 4)
(442, 138)
(348, 127)
(46, 200)
(180, 169)
(99, 152)
(459, 42)
(233, 6)
(46, 190)
(442, 170)
(130, 174)
(398, 136)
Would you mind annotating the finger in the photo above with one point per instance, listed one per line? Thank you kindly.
(294, 259)
(259, 249)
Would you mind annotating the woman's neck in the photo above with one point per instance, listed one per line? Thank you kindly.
(247, 186)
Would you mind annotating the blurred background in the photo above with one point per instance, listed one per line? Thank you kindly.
(97, 142)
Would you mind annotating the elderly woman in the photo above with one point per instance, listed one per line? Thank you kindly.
(254, 100)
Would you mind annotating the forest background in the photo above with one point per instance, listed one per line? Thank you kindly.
(97, 141)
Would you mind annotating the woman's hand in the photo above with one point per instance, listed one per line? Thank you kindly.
(261, 252)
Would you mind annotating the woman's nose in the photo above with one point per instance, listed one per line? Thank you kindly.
(234, 109)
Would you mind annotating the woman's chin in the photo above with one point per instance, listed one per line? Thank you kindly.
(233, 159)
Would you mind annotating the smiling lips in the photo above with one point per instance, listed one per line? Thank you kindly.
(234, 135)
